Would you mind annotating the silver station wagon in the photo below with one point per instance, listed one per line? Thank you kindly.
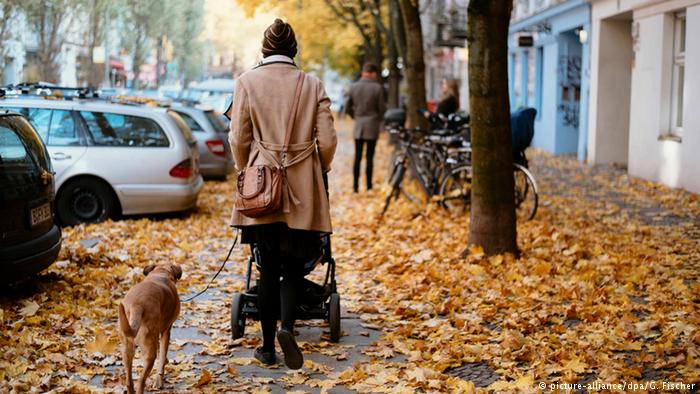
(112, 159)
(215, 158)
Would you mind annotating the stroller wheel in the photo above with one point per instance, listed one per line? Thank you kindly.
(237, 317)
(334, 316)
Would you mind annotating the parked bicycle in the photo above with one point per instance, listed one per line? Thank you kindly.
(431, 155)
(440, 160)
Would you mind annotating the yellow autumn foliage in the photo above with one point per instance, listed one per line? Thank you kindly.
(324, 40)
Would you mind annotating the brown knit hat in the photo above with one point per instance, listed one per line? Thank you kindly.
(279, 39)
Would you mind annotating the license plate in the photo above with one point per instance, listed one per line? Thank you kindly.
(40, 214)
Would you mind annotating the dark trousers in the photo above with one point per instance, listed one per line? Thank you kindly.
(275, 295)
(359, 144)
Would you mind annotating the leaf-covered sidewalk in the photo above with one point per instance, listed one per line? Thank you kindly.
(606, 291)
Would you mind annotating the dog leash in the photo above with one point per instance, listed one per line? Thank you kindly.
(235, 241)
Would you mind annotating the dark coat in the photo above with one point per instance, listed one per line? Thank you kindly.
(365, 104)
(447, 106)
(522, 124)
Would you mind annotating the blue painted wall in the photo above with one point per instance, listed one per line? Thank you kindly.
(560, 96)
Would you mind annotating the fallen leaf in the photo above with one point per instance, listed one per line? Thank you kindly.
(102, 344)
(204, 379)
(29, 308)
(232, 372)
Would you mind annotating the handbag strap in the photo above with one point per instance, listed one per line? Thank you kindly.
(292, 116)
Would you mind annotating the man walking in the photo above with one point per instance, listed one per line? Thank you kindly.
(366, 106)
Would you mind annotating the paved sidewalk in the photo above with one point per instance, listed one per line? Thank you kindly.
(607, 289)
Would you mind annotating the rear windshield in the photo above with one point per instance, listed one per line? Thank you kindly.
(186, 132)
(215, 118)
(20, 144)
(191, 123)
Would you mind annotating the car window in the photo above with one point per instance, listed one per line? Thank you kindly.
(215, 120)
(40, 118)
(186, 132)
(109, 129)
(12, 149)
(191, 123)
(62, 131)
(55, 127)
(19, 143)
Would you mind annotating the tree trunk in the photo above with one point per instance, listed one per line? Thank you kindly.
(413, 62)
(159, 61)
(136, 66)
(399, 39)
(95, 72)
(393, 53)
(378, 48)
(492, 197)
(397, 28)
(394, 81)
(8, 10)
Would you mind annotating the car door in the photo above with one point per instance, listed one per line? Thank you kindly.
(65, 143)
(128, 149)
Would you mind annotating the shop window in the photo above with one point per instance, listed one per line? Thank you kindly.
(539, 65)
(517, 81)
(530, 77)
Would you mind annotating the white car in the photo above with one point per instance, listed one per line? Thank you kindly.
(113, 159)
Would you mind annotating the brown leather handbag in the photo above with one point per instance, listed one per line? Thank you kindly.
(259, 188)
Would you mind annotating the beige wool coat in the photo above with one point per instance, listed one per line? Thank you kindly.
(261, 106)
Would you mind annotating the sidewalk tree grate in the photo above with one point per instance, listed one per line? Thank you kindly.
(481, 374)
(492, 327)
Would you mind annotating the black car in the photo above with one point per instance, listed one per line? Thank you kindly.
(29, 238)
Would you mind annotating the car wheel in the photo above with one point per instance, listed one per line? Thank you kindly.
(85, 201)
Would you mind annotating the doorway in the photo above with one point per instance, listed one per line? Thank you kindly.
(568, 92)
(615, 62)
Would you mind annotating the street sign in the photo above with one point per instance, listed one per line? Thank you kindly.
(525, 41)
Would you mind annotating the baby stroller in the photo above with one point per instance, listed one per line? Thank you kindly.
(316, 301)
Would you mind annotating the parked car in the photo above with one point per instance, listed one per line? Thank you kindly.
(113, 159)
(29, 238)
(215, 158)
(211, 92)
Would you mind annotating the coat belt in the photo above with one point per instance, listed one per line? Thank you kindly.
(300, 151)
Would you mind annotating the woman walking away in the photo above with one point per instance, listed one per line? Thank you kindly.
(287, 237)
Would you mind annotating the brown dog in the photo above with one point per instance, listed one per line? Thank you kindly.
(146, 316)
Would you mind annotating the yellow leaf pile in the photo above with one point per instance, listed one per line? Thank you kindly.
(606, 288)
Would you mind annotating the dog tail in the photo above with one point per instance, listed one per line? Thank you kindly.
(130, 327)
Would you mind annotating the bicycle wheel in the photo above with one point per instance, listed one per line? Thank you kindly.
(397, 178)
(525, 193)
(391, 170)
(455, 190)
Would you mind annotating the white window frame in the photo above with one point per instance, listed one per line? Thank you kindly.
(678, 74)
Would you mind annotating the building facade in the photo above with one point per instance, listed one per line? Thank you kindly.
(644, 84)
(548, 70)
(444, 24)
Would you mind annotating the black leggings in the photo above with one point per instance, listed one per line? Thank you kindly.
(274, 296)
(370, 161)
